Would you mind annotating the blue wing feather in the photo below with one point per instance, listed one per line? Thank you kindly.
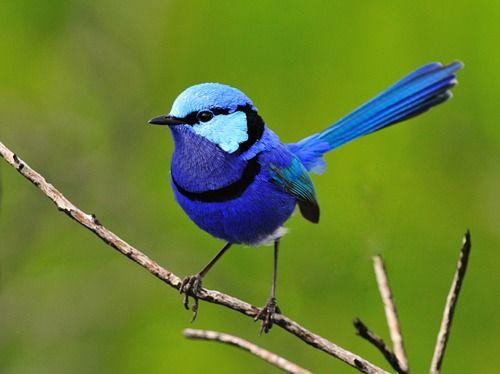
(296, 181)
(416, 93)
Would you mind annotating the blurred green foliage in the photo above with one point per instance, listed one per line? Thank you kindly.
(79, 81)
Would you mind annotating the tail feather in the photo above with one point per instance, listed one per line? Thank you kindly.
(389, 114)
(416, 93)
(427, 68)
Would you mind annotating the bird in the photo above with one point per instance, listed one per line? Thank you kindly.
(237, 181)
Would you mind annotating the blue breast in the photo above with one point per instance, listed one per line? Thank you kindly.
(228, 196)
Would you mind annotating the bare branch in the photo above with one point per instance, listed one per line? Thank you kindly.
(390, 312)
(262, 353)
(449, 309)
(363, 331)
(216, 297)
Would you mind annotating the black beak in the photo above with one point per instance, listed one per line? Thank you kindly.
(166, 120)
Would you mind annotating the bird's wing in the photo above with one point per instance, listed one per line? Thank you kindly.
(295, 180)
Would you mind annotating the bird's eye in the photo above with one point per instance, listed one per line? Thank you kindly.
(205, 116)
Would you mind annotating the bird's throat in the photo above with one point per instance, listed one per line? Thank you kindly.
(198, 165)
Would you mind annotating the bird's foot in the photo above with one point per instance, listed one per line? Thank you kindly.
(266, 315)
(190, 286)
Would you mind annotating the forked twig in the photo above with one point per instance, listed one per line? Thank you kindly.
(449, 309)
(391, 313)
(212, 296)
(262, 353)
(397, 358)
(363, 331)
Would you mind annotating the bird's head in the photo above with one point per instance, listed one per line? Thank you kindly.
(221, 114)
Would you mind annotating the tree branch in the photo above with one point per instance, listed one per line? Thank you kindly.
(451, 302)
(390, 313)
(262, 353)
(363, 331)
(216, 297)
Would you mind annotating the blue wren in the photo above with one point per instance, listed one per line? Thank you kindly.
(237, 181)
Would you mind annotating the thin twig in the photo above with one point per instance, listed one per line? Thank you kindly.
(216, 297)
(363, 331)
(449, 309)
(262, 353)
(391, 313)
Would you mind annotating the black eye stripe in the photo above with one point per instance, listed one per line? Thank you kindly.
(192, 118)
(218, 111)
(255, 123)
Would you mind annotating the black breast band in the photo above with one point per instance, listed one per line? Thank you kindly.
(229, 192)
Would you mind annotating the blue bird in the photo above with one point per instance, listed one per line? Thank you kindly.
(237, 181)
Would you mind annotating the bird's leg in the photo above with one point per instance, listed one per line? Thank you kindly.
(191, 285)
(271, 307)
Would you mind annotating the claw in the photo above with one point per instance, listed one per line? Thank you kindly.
(266, 315)
(190, 287)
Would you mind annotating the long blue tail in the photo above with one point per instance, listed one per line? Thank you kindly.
(416, 93)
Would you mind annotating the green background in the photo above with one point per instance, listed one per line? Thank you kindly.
(79, 81)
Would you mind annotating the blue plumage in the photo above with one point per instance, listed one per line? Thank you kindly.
(295, 180)
(239, 208)
(236, 180)
(208, 95)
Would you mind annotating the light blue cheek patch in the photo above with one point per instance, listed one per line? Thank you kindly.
(227, 131)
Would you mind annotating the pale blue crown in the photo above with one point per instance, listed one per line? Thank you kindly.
(208, 95)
